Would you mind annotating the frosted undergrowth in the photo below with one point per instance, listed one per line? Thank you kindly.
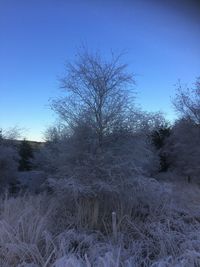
(161, 231)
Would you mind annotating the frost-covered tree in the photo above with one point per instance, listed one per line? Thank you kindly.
(187, 102)
(98, 93)
(183, 148)
(101, 147)
(12, 134)
(100, 126)
(183, 145)
(97, 153)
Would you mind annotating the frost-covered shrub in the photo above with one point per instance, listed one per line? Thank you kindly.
(123, 154)
(32, 181)
(91, 206)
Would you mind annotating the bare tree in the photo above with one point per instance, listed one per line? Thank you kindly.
(98, 93)
(187, 102)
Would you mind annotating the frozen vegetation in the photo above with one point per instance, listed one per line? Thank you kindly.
(158, 225)
(111, 186)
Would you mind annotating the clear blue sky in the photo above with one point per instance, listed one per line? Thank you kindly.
(37, 37)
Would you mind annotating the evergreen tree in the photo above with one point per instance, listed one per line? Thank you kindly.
(26, 154)
(1, 135)
(159, 138)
